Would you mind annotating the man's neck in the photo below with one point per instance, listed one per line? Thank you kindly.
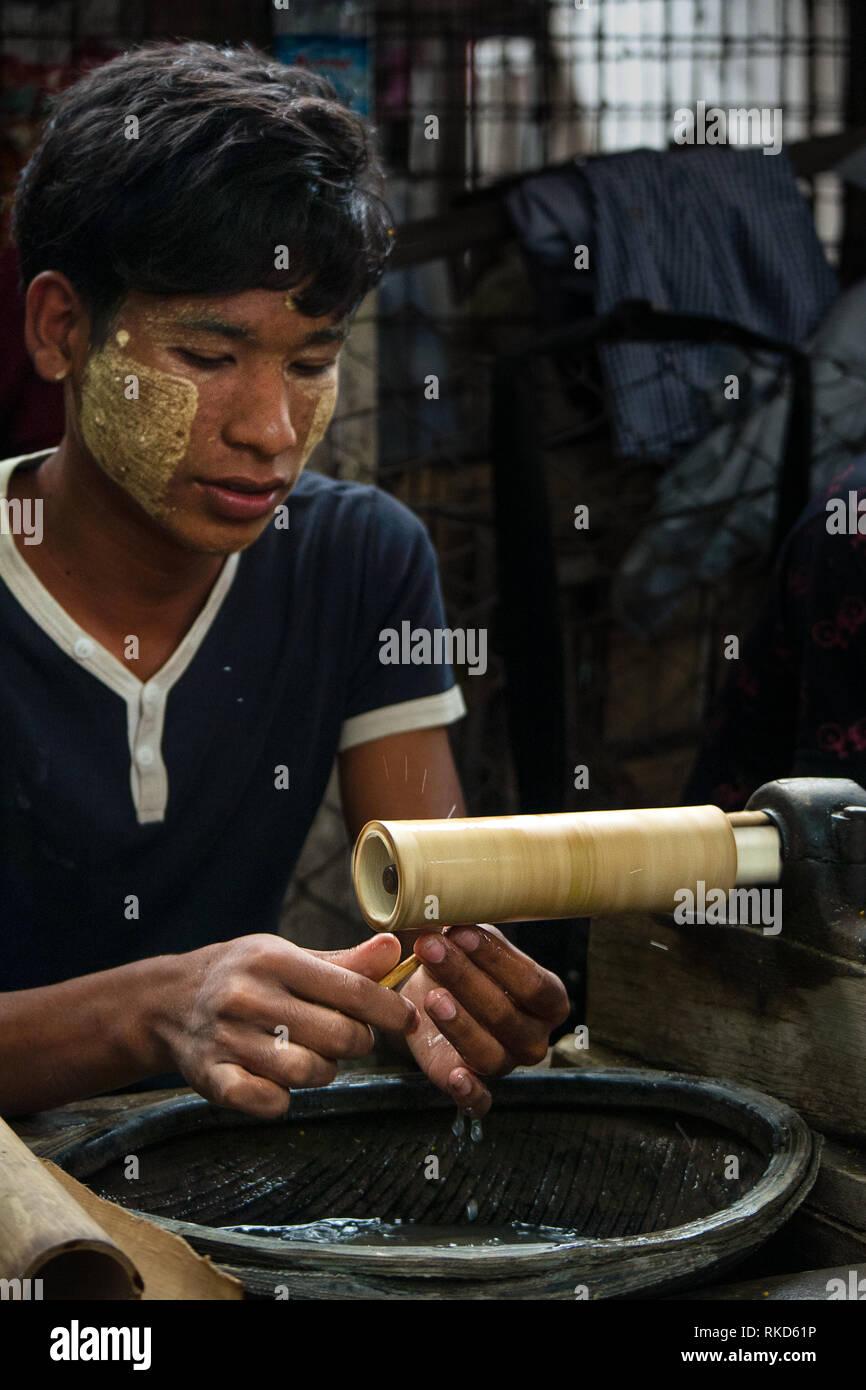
(107, 564)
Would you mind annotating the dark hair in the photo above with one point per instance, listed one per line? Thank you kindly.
(237, 154)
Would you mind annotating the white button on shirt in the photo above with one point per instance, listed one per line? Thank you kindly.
(145, 703)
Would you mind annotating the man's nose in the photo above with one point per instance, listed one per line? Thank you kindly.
(261, 415)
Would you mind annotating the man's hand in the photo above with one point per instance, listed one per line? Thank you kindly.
(247, 1020)
(485, 1009)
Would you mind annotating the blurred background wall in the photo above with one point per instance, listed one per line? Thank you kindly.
(516, 86)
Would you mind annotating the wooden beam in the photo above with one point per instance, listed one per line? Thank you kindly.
(482, 218)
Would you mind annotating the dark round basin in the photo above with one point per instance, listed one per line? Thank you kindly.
(585, 1184)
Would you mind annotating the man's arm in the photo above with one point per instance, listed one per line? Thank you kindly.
(485, 1006)
(405, 777)
(67, 1041)
(245, 1022)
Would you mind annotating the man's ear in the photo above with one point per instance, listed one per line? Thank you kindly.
(56, 327)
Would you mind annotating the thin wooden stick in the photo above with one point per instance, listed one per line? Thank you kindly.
(408, 966)
(401, 972)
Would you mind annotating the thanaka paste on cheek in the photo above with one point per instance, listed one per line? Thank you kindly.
(137, 442)
(321, 419)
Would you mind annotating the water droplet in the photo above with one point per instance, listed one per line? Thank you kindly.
(458, 1124)
(471, 1209)
(476, 1133)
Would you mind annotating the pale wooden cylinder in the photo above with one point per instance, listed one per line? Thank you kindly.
(45, 1234)
(522, 868)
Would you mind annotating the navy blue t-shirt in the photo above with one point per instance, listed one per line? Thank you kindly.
(125, 835)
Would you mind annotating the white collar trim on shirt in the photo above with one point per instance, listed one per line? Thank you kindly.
(145, 701)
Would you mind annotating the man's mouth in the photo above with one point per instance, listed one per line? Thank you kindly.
(240, 484)
(242, 499)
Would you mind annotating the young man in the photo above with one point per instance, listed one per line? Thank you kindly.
(197, 633)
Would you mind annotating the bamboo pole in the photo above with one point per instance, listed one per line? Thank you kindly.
(423, 874)
(45, 1235)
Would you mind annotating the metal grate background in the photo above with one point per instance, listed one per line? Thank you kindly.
(516, 85)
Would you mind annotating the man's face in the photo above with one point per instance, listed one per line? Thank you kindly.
(204, 409)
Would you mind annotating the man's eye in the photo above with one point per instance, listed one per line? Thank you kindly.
(308, 369)
(196, 360)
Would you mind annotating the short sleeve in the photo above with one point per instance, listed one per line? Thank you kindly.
(400, 676)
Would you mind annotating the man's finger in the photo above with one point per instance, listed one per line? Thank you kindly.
(259, 1081)
(469, 1093)
(448, 1070)
(271, 1012)
(535, 990)
(480, 1050)
(373, 958)
(322, 982)
(233, 1086)
(481, 996)
(329, 1032)
(257, 1065)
